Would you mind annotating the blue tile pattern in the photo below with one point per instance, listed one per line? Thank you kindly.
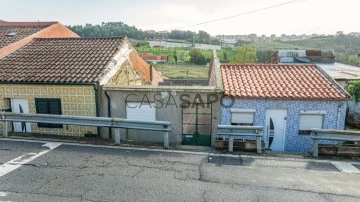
(293, 141)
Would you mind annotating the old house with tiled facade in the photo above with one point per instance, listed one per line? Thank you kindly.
(65, 76)
(14, 35)
(286, 99)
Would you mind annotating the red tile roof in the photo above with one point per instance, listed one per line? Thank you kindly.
(26, 24)
(20, 30)
(150, 57)
(65, 60)
(279, 81)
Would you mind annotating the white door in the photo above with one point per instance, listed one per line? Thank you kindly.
(275, 127)
(20, 106)
(141, 111)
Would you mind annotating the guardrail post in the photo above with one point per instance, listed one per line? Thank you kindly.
(166, 140)
(258, 143)
(315, 148)
(5, 129)
(315, 145)
(117, 136)
(231, 143)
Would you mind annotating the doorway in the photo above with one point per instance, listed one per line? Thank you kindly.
(275, 129)
(196, 125)
(20, 106)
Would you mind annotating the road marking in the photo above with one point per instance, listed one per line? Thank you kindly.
(345, 167)
(26, 158)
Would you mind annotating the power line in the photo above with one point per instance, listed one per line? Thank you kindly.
(240, 14)
(339, 17)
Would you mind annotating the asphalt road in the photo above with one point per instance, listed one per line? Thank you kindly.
(85, 173)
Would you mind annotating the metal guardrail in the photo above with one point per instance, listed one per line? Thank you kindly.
(116, 123)
(234, 131)
(338, 135)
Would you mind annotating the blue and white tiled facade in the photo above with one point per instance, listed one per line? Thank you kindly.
(293, 141)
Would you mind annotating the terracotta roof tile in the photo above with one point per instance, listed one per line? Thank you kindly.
(19, 30)
(60, 60)
(279, 81)
(20, 33)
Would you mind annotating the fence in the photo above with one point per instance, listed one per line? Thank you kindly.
(337, 135)
(234, 131)
(116, 123)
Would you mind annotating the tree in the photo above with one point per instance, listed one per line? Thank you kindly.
(354, 90)
(245, 54)
(203, 37)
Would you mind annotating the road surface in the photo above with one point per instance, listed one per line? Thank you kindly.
(41, 171)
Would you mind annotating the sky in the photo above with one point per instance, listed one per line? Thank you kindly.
(299, 17)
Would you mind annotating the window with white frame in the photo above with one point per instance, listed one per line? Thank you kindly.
(242, 117)
(309, 120)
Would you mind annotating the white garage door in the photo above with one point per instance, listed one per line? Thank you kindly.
(141, 111)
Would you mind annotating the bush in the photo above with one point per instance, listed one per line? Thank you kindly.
(197, 57)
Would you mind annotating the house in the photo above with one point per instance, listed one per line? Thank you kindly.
(286, 99)
(343, 74)
(65, 76)
(14, 35)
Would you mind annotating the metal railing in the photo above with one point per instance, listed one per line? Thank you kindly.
(116, 123)
(236, 131)
(337, 135)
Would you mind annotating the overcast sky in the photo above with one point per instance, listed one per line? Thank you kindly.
(305, 16)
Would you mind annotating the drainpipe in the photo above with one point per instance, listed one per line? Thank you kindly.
(151, 73)
(109, 110)
(338, 117)
(97, 89)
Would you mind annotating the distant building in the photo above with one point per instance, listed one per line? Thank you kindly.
(154, 58)
(338, 33)
(354, 34)
(273, 37)
(150, 31)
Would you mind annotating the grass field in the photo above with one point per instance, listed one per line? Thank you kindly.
(183, 71)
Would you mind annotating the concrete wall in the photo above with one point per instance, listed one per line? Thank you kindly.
(167, 110)
(76, 100)
(293, 141)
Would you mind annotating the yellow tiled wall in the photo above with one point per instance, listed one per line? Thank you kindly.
(76, 100)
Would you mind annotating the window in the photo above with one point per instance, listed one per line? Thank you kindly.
(242, 117)
(48, 106)
(7, 106)
(309, 120)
